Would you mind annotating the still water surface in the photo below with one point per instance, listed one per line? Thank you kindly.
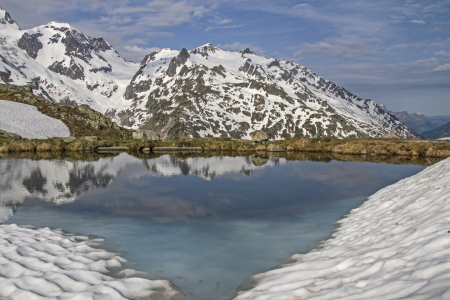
(205, 223)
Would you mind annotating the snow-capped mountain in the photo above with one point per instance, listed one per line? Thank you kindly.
(203, 92)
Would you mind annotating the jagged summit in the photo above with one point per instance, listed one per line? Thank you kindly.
(201, 92)
(6, 22)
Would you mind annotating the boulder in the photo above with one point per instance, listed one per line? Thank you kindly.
(273, 148)
(389, 135)
(146, 134)
(261, 148)
(259, 136)
(90, 138)
(69, 139)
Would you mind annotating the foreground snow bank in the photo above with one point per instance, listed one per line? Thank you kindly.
(45, 263)
(26, 121)
(395, 245)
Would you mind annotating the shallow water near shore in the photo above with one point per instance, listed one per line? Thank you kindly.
(205, 223)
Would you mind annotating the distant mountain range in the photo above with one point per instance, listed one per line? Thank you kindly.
(430, 127)
(202, 92)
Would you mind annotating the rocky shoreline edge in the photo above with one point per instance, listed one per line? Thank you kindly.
(364, 147)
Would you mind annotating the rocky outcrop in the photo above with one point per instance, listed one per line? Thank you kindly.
(259, 136)
(9, 135)
(74, 71)
(30, 43)
(81, 120)
(176, 62)
(146, 134)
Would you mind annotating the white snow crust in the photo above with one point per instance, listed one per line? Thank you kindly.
(396, 245)
(49, 264)
(26, 121)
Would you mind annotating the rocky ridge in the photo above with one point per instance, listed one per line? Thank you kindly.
(198, 93)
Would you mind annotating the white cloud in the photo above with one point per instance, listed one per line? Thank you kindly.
(443, 53)
(137, 52)
(421, 22)
(209, 28)
(442, 68)
(236, 46)
(424, 62)
(347, 48)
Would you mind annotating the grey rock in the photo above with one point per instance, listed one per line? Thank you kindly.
(102, 69)
(389, 135)
(177, 61)
(275, 149)
(92, 138)
(259, 136)
(74, 71)
(4, 76)
(30, 43)
(146, 134)
(69, 139)
(67, 102)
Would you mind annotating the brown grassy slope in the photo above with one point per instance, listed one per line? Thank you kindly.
(81, 120)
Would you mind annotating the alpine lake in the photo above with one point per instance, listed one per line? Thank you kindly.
(203, 221)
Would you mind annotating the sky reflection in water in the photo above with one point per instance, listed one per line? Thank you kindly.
(204, 223)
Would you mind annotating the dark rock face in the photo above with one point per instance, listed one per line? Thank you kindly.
(4, 76)
(67, 102)
(246, 51)
(74, 72)
(274, 63)
(203, 51)
(100, 44)
(7, 19)
(30, 43)
(77, 45)
(177, 61)
(148, 58)
(132, 89)
(102, 69)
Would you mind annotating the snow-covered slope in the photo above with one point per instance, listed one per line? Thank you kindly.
(26, 121)
(394, 246)
(197, 93)
(50, 264)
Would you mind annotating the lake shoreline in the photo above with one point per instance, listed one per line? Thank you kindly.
(392, 246)
(363, 147)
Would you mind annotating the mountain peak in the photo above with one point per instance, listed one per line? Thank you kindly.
(6, 21)
(204, 50)
(246, 51)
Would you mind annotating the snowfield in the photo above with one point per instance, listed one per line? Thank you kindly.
(26, 121)
(396, 245)
(48, 264)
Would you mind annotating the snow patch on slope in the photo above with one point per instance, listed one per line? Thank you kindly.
(26, 121)
(395, 245)
(46, 263)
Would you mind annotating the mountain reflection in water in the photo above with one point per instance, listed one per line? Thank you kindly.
(197, 221)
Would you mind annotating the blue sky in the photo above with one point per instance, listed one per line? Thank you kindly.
(394, 52)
